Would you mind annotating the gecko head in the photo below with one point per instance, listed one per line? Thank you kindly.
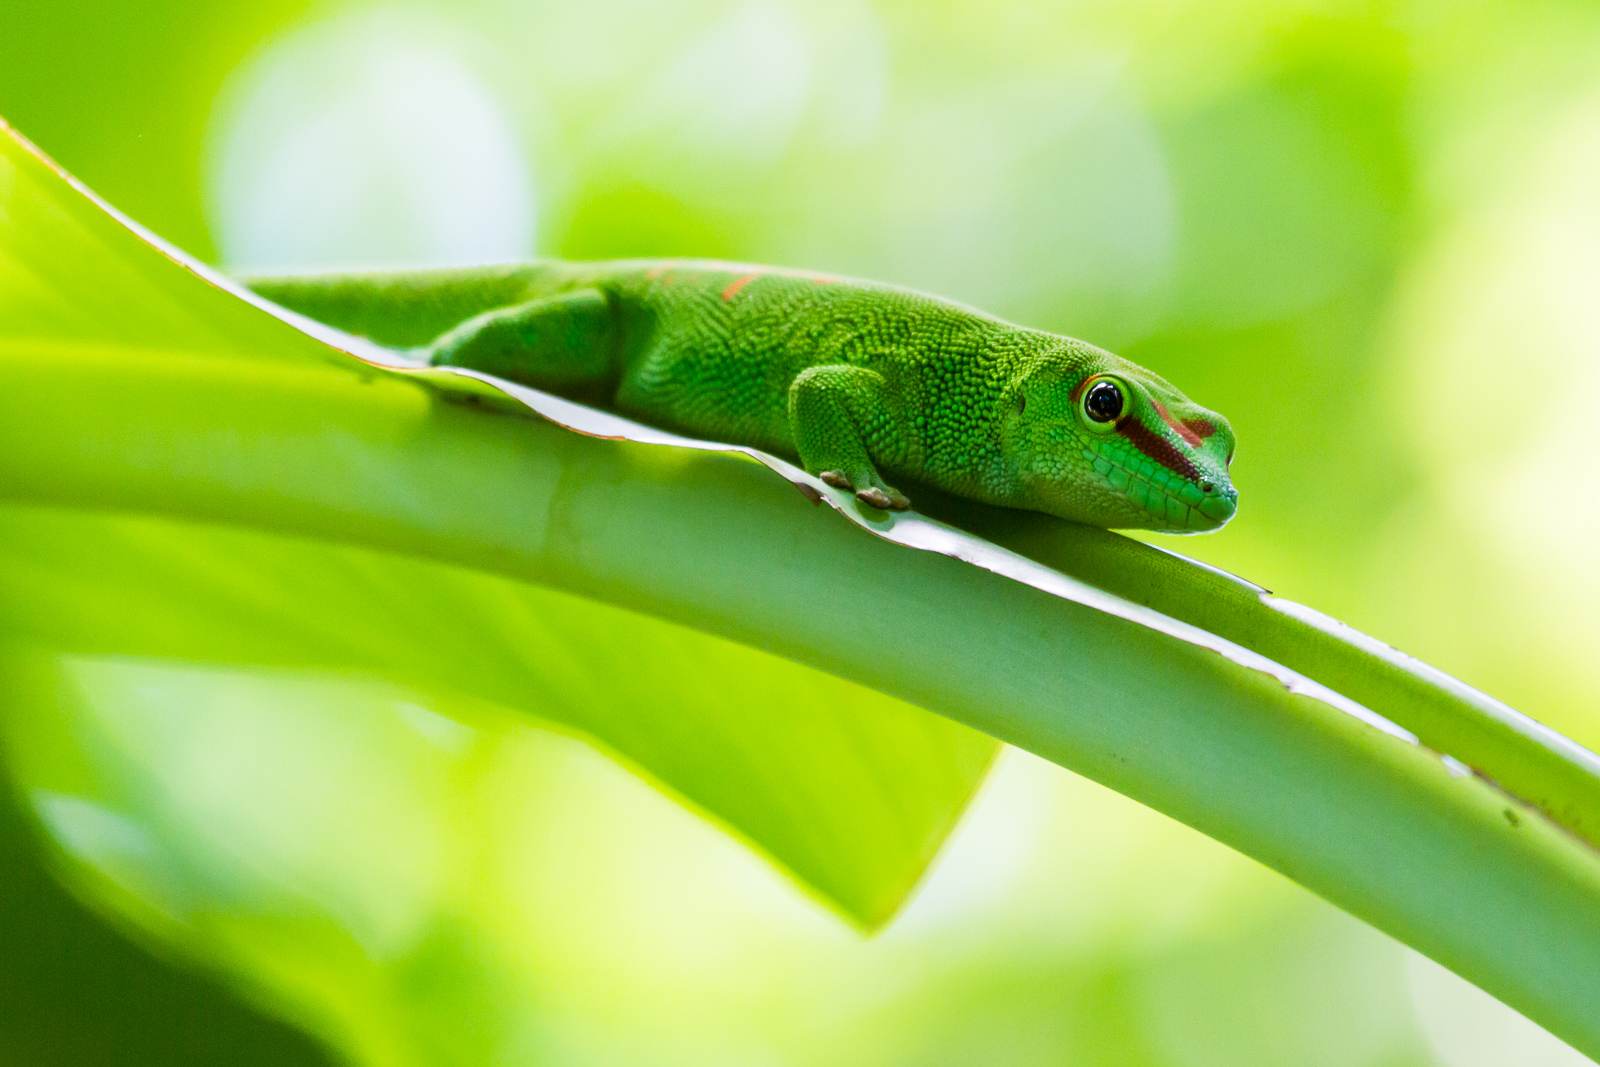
(1097, 439)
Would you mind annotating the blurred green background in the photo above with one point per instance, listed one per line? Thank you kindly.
(1368, 233)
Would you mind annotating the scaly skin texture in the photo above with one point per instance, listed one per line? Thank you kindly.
(865, 384)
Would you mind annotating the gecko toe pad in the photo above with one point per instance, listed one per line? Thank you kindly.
(890, 501)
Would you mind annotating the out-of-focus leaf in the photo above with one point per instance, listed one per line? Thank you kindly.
(322, 835)
(76, 991)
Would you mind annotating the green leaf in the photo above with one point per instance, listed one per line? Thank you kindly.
(849, 790)
(852, 791)
(1525, 758)
(1235, 744)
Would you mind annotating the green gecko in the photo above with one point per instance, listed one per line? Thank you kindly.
(863, 383)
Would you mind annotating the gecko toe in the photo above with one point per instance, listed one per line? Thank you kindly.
(836, 479)
(890, 501)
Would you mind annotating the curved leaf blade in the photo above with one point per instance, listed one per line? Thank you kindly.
(850, 791)
(1533, 763)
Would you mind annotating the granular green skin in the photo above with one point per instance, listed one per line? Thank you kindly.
(865, 384)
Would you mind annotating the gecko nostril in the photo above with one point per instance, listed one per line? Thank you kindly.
(1207, 487)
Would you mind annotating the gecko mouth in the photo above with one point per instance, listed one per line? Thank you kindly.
(1157, 491)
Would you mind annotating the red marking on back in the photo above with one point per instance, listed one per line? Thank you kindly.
(738, 283)
(824, 280)
(653, 273)
(1157, 447)
(1202, 428)
(1189, 436)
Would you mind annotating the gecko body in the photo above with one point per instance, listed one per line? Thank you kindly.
(865, 384)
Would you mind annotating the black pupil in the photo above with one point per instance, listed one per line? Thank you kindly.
(1104, 402)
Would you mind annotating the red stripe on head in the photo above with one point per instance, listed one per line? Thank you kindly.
(1157, 447)
(734, 286)
(1189, 436)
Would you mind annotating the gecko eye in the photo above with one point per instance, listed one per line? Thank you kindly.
(1103, 404)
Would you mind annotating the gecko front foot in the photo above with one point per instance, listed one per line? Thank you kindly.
(828, 406)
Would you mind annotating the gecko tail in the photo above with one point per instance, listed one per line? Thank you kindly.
(407, 308)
